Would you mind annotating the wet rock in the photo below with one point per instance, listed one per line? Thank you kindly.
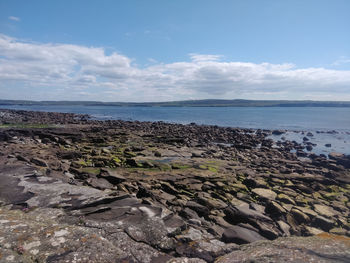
(277, 132)
(309, 148)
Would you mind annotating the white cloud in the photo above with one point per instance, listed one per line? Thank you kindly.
(61, 71)
(341, 61)
(14, 18)
(200, 57)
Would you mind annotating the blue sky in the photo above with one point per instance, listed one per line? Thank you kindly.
(139, 50)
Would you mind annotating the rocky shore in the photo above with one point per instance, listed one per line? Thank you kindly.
(74, 189)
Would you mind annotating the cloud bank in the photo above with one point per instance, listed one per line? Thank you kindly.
(49, 71)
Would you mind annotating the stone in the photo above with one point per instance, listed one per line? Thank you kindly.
(240, 235)
(38, 162)
(324, 210)
(284, 227)
(320, 248)
(200, 209)
(243, 214)
(274, 209)
(285, 199)
(99, 183)
(112, 176)
(264, 193)
(312, 231)
(299, 216)
(323, 223)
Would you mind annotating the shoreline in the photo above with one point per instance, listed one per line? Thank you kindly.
(149, 191)
(301, 139)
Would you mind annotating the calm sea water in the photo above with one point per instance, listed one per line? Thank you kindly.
(289, 118)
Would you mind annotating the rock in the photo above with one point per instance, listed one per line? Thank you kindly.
(200, 209)
(309, 134)
(211, 202)
(335, 155)
(312, 231)
(21, 158)
(69, 155)
(264, 193)
(99, 183)
(111, 176)
(284, 227)
(242, 214)
(324, 210)
(191, 234)
(38, 162)
(157, 154)
(320, 248)
(240, 235)
(277, 132)
(339, 231)
(309, 148)
(285, 199)
(323, 223)
(299, 216)
(328, 145)
(275, 209)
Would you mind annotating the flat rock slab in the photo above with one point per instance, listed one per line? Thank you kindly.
(265, 193)
(321, 248)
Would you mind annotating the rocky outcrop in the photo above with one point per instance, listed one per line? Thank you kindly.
(120, 191)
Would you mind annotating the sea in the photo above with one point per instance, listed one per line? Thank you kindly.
(329, 125)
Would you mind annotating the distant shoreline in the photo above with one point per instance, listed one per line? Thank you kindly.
(187, 103)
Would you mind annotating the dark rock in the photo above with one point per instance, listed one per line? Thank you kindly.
(69, 155)
(277, 132)
(299, 216)
(323, 223)
(242, 214)
(157, 154)
(132, 162)
(22, 158)
(200, 209)
(309, 148)
(38, 162)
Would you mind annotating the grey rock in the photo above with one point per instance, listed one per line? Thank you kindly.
(240, 235)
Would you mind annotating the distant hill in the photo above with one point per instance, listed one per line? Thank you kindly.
(189, 103)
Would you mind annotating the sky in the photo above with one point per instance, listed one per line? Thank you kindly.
(166, 50)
